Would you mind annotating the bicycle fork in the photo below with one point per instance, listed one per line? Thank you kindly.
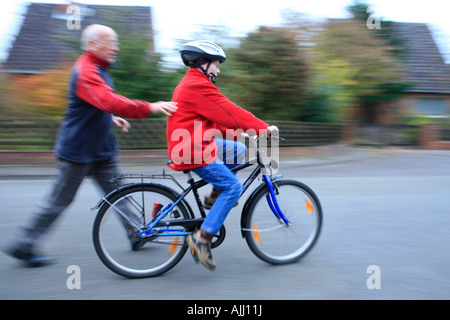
(273, 203)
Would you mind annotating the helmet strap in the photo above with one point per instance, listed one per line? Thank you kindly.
(199, 64)
(212, 77)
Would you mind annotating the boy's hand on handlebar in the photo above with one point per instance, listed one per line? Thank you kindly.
(272, 131)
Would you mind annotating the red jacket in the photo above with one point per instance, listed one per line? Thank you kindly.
(203, 112)
(94, 86)
(86, 134)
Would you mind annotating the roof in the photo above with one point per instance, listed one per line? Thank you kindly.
(425, 66)
(45, 37)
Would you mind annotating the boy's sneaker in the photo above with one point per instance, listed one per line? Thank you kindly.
(201, 250)
(208, 203)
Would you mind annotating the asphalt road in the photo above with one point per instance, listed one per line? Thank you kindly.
(385, 236)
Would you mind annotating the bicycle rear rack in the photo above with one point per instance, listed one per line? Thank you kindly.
(146, 176)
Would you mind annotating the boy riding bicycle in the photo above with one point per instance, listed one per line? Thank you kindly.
(203, 112)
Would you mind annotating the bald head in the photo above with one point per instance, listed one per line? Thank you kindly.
(94, 32)
(100, 40)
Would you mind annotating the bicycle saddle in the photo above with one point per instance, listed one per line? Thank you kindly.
(172, 166)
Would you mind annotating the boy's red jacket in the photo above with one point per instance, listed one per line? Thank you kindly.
(203, 112)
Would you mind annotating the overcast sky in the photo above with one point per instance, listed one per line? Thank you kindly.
(178, 19)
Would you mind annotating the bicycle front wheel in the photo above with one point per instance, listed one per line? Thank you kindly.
(271, 239)
(117, 226)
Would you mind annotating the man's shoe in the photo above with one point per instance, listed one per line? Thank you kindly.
(136, 244)
(30, 259)
(201, 250)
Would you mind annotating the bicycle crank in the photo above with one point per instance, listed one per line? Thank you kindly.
(218, 238)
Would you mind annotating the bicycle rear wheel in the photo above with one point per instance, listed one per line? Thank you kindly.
(271, 239)
(118, 223)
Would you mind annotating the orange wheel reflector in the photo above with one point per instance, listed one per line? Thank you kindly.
(173, 246)
(309, 206)
(256, 234)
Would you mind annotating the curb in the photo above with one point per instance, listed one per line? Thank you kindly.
(42, 164)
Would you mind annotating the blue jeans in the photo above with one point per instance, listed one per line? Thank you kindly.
(218, 173)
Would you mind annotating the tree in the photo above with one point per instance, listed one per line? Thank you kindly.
(40, 95)
(139, 73)
(267, 74)
(358, 67)
(6, 105)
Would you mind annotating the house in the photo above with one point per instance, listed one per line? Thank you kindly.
(50, 33)
(427, 72)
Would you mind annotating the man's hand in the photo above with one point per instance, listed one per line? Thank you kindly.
(165, 107)
(121, 123)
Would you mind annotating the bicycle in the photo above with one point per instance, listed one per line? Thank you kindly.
(281, 219)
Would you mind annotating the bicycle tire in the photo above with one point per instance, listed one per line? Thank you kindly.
(270, 239)
(114, 249)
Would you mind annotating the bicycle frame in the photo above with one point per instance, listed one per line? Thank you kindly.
(174, 228)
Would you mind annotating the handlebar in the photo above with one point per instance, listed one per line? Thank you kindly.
(269, 160)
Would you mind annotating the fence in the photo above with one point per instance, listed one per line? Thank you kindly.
(433, 136)
(445, 134)
(388, 135)
(28, 134)
(40, 134)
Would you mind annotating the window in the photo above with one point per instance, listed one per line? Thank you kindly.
(433, 107)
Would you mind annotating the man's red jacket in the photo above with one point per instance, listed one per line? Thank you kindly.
(203, 112)
(86, 134)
